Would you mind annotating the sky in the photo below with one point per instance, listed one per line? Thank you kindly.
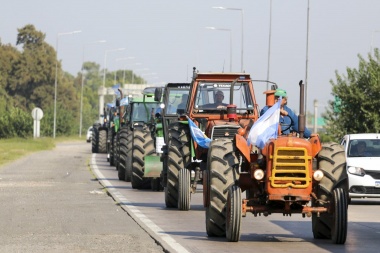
(165, 39)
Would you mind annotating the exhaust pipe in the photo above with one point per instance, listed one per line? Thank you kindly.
(301, 116)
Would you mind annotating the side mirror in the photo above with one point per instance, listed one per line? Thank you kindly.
(157, 94)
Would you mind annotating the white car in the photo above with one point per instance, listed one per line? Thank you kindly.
(363, 168)
(89, 134)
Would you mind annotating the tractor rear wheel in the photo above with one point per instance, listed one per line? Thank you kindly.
(184, 193)
(332, 193)
(112, 151)
(233, 222)
(95, 140)
(222, 165)
(178, 158)
(143, 145)
(102, 148)
(125, 150)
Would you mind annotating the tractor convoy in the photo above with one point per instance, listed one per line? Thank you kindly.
(187, 136)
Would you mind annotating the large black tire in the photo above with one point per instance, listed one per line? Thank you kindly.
(233, 221)
(143, 145)
(112, 150)
(117, 150)
(184, 191)
(102, 148)
(95, 140)
(223, 174)
(125, 162)
(179, 158)
(333, 191)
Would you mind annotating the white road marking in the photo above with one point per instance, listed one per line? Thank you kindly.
(135, 212)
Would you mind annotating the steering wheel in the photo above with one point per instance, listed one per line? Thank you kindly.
(288, 126)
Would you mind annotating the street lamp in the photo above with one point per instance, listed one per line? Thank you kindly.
(137, 70)
(307, 55)
(125, 66)
(105, 62)
(373, 33)
(242, 29)
(122, 59)
(101, 95)
(81, 93)
(56, 76)
(227, 30)
(269, 41)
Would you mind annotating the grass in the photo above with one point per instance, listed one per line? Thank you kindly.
(15, 148)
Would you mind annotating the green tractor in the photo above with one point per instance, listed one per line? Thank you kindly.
(136, 138)
(100, 132)
(174, 96)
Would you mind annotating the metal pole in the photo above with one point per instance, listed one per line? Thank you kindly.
(81, 94)
(55, 87)
(242, 39)
(370, 50)
(226, 30)
(315, 116)
(242, 30)
(56, 81)
(269, 42)
(307, 55)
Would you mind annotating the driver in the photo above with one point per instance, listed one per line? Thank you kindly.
(288, 119)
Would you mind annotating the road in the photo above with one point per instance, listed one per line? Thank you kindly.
(69, 200)
(51, 202)
(184, 231)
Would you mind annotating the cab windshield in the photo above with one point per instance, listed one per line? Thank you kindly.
(213, 95)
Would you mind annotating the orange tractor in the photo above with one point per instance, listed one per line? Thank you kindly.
(220, 105)
(289, 175)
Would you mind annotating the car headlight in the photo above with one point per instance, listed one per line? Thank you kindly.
(356, 171)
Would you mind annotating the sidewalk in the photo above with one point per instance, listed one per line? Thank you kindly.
(51, 202)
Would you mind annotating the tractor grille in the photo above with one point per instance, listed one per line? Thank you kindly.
(224, 131)
(290, 168)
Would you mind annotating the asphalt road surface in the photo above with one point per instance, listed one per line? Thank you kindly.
(69, 200)
(51, 202)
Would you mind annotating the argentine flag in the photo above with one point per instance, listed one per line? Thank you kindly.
(266, 127)
(116, 88)
(198, 135)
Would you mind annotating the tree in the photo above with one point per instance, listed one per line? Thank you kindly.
(355, 108)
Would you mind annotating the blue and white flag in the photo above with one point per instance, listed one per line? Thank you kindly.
(116, 88)
(198, 135)
(266, 127)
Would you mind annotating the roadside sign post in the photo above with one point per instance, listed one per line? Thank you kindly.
(37, 115)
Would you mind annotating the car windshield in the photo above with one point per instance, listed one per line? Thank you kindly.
(210, 95)
(364, 148)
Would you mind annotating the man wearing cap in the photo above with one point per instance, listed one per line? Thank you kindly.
(218, 101)
(288, 119)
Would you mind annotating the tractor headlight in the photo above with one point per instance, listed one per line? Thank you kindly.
(318, 175)
(356, 171)
(258, 174)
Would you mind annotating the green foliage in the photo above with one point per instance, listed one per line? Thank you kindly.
(27, 80)
(359, 93)
(16, 123)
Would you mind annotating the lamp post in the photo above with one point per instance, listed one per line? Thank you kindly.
(56, 77)
(102, 92)
(269, 41)
(307, 56)
(242, 30)
(227, 30)
(81, 93)
(122, 59)
(125, 66)
(136, 70)
(373, 33)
